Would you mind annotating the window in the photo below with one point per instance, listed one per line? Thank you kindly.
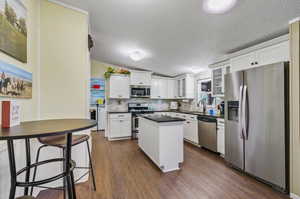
(204, 96)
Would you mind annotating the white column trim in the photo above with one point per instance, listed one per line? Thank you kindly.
(69, 6)
(294, 196)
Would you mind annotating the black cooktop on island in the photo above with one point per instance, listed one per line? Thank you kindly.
(160, 119)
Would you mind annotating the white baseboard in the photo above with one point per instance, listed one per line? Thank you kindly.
(294, 196)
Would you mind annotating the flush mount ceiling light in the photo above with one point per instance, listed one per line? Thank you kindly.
(218, 6)
(137, 55)
(196, 69)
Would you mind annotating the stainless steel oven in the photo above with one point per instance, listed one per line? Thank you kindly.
(137, 109)
(140, 92)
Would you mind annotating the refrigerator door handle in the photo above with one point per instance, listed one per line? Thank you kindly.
(241, 113)
(245, 113)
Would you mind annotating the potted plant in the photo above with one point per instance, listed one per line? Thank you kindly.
(111, 70)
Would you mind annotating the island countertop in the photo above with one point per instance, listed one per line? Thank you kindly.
(162, 119)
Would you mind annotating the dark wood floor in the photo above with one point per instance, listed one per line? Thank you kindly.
(124, 172)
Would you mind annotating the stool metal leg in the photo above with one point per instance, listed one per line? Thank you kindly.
(28, 162)
(12, 166)
(65, 178)
(91, 164)
(35, 168)
(73, 184)
(67, 166)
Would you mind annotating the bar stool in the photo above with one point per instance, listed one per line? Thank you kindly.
(26, 197)
(60, 142)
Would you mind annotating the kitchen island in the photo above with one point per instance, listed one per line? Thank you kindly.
(161, 138)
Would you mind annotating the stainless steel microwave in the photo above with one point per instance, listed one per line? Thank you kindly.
(140, 92)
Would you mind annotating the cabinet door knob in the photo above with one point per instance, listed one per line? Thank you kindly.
(256, 63)
(252, 63)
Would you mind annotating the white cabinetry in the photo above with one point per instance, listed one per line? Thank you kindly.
(221, 136)
(218, 83)
(191, 128)
(119, 87)
(243, 62)
(185, 87)
(159, 88)
(273, 54)
(119, 126)
(268, 55)
(140, 78)
(171, 88)
(162, 142)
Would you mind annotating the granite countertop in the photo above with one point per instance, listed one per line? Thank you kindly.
(184, 112)
(117, 112)
(201, 114)
(194, 113)
(161, 119)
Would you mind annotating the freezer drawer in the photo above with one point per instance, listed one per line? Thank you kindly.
(207, 132)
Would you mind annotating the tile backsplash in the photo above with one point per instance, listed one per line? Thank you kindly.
(122, 105)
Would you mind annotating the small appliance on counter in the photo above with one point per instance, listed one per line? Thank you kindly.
(173, 105)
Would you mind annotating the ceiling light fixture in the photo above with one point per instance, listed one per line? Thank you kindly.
(137, 55)
(196, 69)
(218, 6)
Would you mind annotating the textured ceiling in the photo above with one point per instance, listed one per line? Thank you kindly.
(177, 34)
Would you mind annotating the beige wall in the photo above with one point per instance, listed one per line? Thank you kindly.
(98, 68)
(30, 107)
(65, 67)
(294, 108)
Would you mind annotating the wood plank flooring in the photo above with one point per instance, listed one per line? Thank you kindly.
(124, 172)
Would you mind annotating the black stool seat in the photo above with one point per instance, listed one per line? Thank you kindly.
(60, 141)
(26, 197)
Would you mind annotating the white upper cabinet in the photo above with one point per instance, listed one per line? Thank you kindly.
(159, 88)
(119, 87)
(185, 87)
(273, 54)
(218, 80)
(268, 55)
(243, 62)
(171, 88)
(140, 78)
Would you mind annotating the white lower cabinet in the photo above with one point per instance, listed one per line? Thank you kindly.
(119, 126)
(191, 128)
(221, 136)
(162, 143)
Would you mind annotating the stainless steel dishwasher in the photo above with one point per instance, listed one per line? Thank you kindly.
(207, 132)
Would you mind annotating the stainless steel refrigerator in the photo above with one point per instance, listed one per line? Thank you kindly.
(256, 123)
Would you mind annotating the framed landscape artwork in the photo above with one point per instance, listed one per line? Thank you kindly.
(13, 29)
(14, 82)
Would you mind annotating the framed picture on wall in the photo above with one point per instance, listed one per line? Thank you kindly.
(13, 29)
(15, 82)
